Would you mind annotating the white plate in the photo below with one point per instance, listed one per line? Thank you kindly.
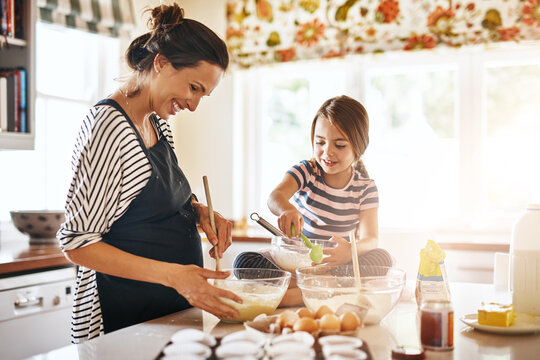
(523, 324)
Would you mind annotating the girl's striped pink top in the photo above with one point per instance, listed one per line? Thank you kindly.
(328, 211)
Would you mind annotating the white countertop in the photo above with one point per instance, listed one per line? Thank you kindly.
(145, 341)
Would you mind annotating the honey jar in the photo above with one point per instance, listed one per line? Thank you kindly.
(437, 325)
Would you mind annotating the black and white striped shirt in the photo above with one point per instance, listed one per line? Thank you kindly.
(110, 169)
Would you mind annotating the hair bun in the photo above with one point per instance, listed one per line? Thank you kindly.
(165, 17)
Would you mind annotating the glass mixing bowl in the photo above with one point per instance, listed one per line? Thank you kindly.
(291, 254)
(260, 289)
(377, 292)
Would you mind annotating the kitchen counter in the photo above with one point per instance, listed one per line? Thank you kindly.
(20, 256)
(146, 340)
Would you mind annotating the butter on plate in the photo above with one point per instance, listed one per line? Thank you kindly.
(495, 314)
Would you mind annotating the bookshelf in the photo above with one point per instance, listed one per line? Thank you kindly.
(15, 54)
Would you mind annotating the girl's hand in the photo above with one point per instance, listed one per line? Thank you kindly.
(289, 217)
(341, 254)
(223, 239)
(191, 282)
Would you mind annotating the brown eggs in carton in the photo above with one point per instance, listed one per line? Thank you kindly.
(346, 319)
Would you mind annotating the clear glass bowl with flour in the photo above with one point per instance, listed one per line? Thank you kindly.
(260, 289)
(375, 294)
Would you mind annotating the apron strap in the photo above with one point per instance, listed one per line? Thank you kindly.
(114, 104)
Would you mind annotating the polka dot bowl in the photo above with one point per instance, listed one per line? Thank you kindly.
(40, 225)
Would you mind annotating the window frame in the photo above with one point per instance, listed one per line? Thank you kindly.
(100, 91)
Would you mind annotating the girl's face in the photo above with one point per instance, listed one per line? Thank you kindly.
(174, 90)
(332, 148)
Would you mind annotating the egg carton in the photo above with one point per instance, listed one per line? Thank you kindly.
(191, 344)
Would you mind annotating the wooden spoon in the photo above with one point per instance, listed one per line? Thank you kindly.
(212, 221)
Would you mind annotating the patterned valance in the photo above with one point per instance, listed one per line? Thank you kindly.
(108, 17)
(267, 31)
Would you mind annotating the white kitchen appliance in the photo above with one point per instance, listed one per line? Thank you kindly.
(35, 312)
(525, 262)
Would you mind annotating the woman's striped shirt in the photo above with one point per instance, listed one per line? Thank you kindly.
(328, 211)
(110, 169)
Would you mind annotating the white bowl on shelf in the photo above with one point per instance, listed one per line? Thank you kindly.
(40, 225)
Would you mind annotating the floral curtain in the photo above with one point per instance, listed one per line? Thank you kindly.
(269, 31)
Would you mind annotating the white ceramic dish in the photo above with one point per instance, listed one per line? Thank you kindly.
(523, 324)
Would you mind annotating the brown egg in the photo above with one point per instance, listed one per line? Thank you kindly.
(349, 321)
(322, 311)
(329, 322)
(306, 324)
(305, 312)
(287, 319)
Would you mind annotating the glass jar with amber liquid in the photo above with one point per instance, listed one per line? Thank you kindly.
(437, 325)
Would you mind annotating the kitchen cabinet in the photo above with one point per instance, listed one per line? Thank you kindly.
(19, 52)
(37, 284)
(35, 311)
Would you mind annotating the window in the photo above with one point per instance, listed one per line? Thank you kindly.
(413, 153)
(285, 102)
(81, 77)
(511, 133)
(452, 132)
(74, 69)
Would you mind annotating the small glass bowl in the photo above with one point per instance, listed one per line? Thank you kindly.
(291, 254)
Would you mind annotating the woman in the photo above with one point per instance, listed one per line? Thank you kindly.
(131, 220)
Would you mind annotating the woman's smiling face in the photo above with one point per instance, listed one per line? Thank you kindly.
(174, 90)
(332, 149)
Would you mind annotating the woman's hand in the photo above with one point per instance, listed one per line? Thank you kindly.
(338, 255)
(223, 239)
(191, 282)
(288, 217)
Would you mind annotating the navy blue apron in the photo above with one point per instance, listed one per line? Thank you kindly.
(159, 224)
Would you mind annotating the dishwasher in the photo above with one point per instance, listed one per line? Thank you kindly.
(35, 311)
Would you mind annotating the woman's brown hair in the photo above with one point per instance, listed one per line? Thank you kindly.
(184, 42)
(349, 116)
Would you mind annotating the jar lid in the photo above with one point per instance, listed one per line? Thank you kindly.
(408, 353)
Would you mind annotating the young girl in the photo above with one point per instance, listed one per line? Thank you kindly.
(332, 193)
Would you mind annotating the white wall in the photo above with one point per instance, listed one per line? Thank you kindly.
(204, 138)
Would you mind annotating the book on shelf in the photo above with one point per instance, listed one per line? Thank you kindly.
(22, 103)
(3, 104)
(17, 92)
(12, 18)
(8, 13)
(10, 98)
(13, 102)
(3, 17)
(18, 26)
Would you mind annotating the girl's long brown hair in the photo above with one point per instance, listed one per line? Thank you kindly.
(352, 119)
